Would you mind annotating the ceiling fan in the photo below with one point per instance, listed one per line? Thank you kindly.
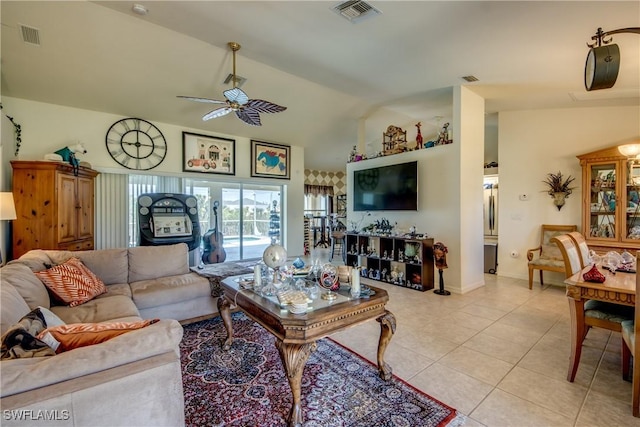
(247, 110)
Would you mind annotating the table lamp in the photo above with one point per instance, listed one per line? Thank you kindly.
(7, 213)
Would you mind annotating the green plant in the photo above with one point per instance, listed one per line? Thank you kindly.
(556, 184)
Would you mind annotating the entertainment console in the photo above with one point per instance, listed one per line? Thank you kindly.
(402, 261)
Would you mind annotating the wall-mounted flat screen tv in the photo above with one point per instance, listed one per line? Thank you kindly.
(386, 188)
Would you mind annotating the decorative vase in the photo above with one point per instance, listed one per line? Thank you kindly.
(559, 198)
(329, 281)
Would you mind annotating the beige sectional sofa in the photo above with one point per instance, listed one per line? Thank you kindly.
(131, 380)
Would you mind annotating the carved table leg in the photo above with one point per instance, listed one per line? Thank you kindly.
(387, 329)
(576, 312)
(224, 307)
(294, 357)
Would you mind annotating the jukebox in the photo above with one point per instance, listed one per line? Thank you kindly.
(166, 219)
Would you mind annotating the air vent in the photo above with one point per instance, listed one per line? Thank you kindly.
(29, 34)
(355, 10)
(470, 79)
(239, 80)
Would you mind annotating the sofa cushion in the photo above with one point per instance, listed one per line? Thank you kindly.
(110, 265)
(21, 341)
(67, 337)
(72, 282)
(117, 289)
(168, 290)
(27, 284)
(98, 310)
(13, 305)
(29, 374)
(151, 262)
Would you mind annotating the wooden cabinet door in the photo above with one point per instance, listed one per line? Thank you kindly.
(85, 203)
(67, 208)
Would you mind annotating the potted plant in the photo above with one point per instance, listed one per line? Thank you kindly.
(559, 188)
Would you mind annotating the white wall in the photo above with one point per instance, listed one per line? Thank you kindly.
(48, 127)
(534, 143)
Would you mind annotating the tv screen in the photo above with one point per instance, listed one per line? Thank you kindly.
(386, 188)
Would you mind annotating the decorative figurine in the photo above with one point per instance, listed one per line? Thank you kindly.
(419, 136)
(385, 255)
(440, 256)
(400, 255)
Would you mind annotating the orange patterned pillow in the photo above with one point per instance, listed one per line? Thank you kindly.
(67, 337)
(72, 282)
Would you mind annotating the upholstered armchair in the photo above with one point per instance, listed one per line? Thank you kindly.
(547, 256)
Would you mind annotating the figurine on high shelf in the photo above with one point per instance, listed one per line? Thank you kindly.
(419, 136)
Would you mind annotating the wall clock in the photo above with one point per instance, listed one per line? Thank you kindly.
(136, 144)
(601, 67)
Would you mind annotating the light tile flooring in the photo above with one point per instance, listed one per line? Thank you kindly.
(499, 355)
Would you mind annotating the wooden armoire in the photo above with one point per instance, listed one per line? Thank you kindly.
(54, 206)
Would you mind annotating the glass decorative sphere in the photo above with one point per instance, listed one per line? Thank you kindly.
(274, 256)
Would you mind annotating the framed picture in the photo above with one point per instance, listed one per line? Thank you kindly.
(208, 154)
(270, 160)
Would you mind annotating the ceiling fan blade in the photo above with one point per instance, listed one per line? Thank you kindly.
(251, 117)
(210, 101)
(263, 106)
(218, 112)
(236, 95)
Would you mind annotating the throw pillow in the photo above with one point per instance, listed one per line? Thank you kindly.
(67, 337)
(72, 282)
(20, 340)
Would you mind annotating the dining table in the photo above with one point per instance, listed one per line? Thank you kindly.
(618, 288)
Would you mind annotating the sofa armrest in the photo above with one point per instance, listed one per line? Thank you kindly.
(20, 375)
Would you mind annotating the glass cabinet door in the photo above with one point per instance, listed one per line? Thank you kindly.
(603, 203)
(632, 206)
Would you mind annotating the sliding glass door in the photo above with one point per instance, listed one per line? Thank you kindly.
(248, 215)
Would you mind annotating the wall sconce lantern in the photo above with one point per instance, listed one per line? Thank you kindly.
(603, 60)
(559, 188)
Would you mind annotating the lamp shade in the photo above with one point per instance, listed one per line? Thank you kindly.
(629, 150)
(7, 207)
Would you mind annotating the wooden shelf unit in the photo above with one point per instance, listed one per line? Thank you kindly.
(382, 255)
(55, 208)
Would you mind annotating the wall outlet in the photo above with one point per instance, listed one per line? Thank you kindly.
(523, 197)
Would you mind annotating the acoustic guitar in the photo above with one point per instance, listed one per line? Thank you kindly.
(213, 250)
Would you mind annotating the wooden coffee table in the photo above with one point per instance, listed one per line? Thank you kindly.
(296, 334)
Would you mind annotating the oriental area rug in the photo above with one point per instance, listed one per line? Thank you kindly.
(247, 385)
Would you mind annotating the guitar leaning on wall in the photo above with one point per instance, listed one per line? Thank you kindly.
(213, 250)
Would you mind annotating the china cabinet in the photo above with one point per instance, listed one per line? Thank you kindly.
(610, 200)
(54, 205)
(397, 260)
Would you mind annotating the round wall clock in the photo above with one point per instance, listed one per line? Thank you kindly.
(136, 144)
(601, 67)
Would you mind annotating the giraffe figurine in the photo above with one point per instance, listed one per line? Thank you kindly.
(419, 136)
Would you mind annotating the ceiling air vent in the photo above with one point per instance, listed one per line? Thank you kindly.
(470, 79)
(355, 10)
(29, 34)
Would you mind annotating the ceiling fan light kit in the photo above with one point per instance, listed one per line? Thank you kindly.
(247, 110)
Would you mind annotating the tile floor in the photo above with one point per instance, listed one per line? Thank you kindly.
(499, 355)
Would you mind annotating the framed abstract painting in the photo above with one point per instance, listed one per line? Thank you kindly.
(270, 160)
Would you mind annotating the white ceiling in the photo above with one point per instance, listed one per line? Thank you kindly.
(396, 68)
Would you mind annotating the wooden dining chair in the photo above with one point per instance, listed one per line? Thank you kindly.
(631, 348)
(597, 314)
(583, 248)
(545, 257)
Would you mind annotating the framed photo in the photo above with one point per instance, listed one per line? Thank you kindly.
(270, 160)
(208, 154)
